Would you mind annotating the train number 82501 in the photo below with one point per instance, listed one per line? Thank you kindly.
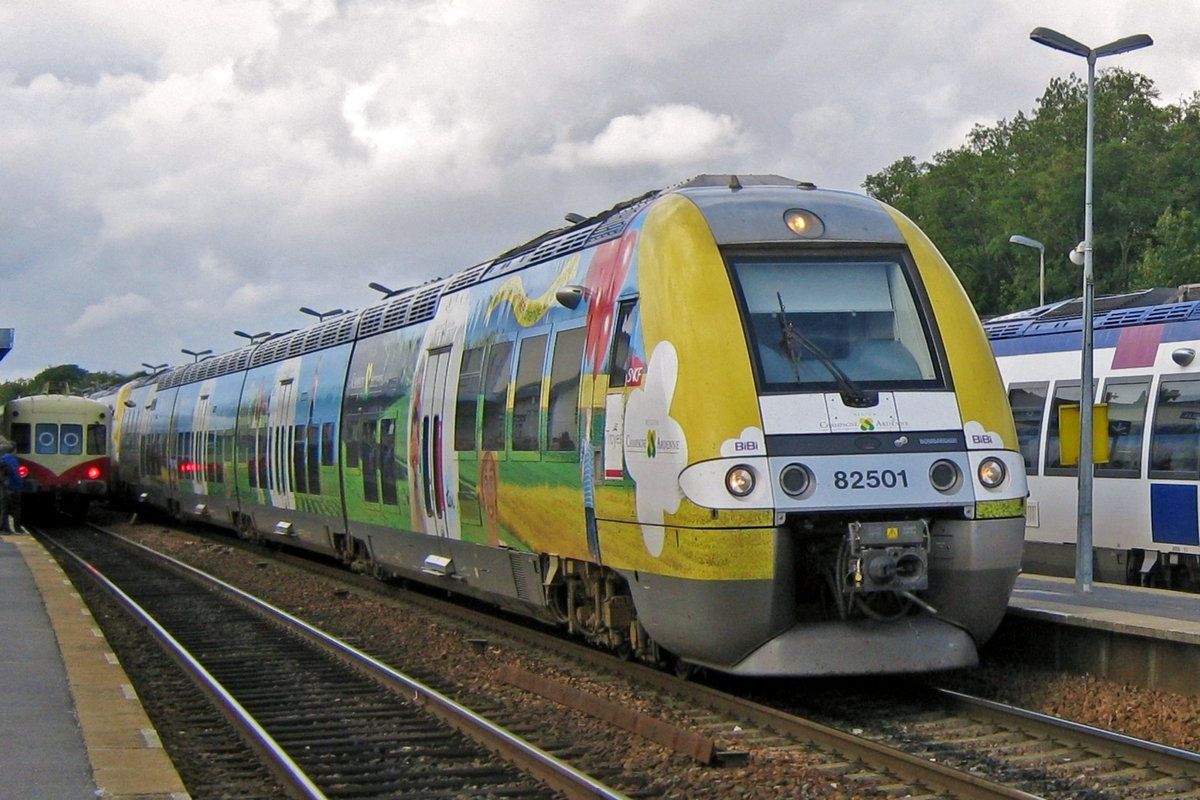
(870, 479)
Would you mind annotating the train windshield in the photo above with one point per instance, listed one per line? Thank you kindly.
(834, 324)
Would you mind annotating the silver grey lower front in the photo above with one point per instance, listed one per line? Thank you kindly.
(914, 644)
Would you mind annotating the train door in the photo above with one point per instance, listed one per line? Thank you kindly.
(281, 438)
(626, 370)
(617, 369)
(436, 497)
(202, 445)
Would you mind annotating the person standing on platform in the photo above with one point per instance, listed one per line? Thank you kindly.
(10, 488)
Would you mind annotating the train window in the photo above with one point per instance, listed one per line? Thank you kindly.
(370, 460)
(246, 456)
(350, 432)
(97, 439)
(387, 465)
(1028, 401)
(620, 360)
(261, 460)
(313, 456)
(45, 438)
(495, 394)
(1065, 393)
(565, 368)
(212, 456)
(1175, 438)
(1127, 399)
(467, 403)
(327, 448)
(20, 436)
(71, 439)
(299, 460)
(527, 397)
(186, 461)
(813, 321)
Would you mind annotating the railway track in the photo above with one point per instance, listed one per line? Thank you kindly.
(327, 719)
(1059, 757)
(940, 745)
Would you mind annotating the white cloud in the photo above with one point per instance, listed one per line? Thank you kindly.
(664, 135)
(206, 165)
(112, 309)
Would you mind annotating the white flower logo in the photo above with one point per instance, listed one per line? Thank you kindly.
(655, 447)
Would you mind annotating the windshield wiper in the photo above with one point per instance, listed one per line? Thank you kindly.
(852, 395)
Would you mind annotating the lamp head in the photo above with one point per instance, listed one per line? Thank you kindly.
(1076, 255)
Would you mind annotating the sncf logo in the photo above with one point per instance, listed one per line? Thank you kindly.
(635, 373)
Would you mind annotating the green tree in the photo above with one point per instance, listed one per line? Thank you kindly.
(1026, 175)
(1174, 258)
(61, 379)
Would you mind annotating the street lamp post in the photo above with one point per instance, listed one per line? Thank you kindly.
(384, 290)
(1087, 393)
(321, 315)
(254, 338)
(196, 354)
(1025, 241)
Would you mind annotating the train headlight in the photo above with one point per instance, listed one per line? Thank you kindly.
(796, 480)
(945, 476)
(803, 222)
(739, 480)
(992, 472)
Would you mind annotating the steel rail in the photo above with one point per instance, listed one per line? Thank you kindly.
(913, 769)
(1098, 740)
(910, 768)
(295, 781)
(555, 773)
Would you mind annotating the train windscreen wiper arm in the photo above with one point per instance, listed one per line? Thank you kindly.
(852, 395)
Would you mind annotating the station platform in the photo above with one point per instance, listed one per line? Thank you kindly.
(1147, 637)
(1158, 613)
(71, 725)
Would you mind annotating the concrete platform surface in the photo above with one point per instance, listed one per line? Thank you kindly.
(71, 724)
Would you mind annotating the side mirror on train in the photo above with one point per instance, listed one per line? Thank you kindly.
(571, 296)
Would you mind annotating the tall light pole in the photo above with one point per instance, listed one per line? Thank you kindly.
(321, 315)
(254, 338)
(196, 354)
(1087, 394)
(1025, 241)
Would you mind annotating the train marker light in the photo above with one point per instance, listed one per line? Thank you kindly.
(804, 223)
(93, 473)
(992, 472)
(739, 480)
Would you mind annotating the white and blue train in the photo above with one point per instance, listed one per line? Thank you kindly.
(1146, 496)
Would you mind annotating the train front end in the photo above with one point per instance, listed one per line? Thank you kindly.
(61, 444)
(850, 496)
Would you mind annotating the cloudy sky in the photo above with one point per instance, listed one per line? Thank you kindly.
(173, 170)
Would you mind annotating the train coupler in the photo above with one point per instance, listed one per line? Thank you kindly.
(887, 556)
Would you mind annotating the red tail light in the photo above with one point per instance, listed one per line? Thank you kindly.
(23, 471)
(93, 473)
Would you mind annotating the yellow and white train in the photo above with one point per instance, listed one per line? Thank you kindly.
(741, 423)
